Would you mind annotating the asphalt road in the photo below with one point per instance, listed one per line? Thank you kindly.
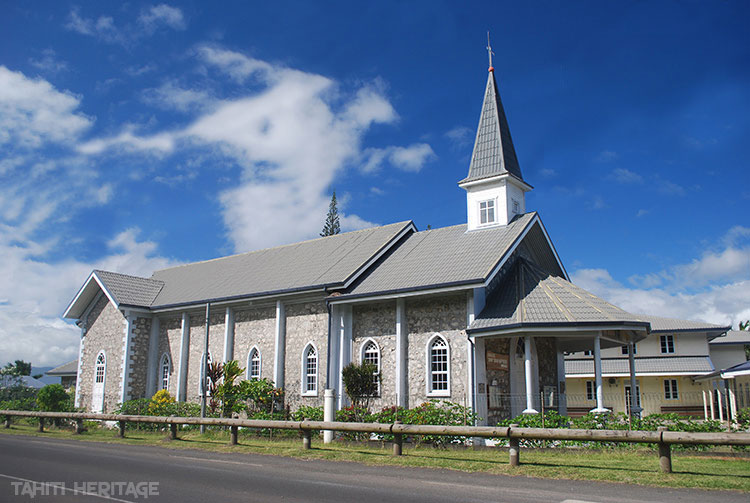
(71, 470)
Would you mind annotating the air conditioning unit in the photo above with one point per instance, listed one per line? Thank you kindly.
(612, 381)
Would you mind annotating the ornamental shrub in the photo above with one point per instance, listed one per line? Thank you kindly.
(161, 404)
(54, 398)
(743, 418)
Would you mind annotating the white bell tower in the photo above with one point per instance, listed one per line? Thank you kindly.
(495, 189)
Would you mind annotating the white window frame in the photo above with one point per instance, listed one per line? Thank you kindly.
(489, 205)
(165, 357)
(303, 368)
(666, 342)
(104, 368)
(671, 389)
(102, 384)
(428, 367)
(637, 397)
(249, 369)
(363, 352)
(590, 391)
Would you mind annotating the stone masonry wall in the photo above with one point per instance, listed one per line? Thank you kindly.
(255, 327)
(170, 336)
(305, 323)
(138, 372)
(197, 345)
(106, 329)
(378, 322)
(445, 315)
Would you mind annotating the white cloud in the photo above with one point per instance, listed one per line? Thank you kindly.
(460, 136)
(607, 156)
(33, 111)
(622, 175)
(713, 288)
(38, 292)
(162, 14)
(49, 62)
(291, 136)
(236, 65)
(172, 96)
(105, 29)
(411, 158)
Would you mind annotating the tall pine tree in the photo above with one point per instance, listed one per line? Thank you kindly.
(332, 225)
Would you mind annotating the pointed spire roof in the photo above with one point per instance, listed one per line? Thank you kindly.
(493, 148)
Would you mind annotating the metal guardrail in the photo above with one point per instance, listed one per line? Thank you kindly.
(663, 438)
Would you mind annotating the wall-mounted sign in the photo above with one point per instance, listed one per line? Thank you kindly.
(497, 361)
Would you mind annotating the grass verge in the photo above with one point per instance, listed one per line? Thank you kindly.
(636, 466)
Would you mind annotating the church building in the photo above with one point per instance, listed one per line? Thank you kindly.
(480, 314)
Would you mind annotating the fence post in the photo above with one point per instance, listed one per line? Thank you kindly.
(398, 441)
(665, 453)
(122, 429)
(233, 435)
(306, 439)
(7, 421)
(515, 448)
(41, 424)
(79, 426)
(173, 431)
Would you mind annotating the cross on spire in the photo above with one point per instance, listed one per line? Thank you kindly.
(489, 50)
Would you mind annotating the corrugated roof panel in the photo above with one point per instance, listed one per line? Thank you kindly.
(130, 290)
(656, 365)
(319, 262)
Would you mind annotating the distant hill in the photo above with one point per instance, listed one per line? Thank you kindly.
(45, 379)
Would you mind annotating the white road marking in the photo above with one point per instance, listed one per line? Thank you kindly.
(57, 487)
(218, 461)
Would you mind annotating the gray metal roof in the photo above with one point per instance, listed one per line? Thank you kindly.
(321, 262)
(733, 337)
(661, 324)
(70, 368)
(130, 290)
(531, 296)
(446, 256)
(493, 153)
(643, 365)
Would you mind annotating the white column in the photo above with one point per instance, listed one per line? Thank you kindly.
(332, 381)
(184, 355)
(153, 358)
(124, 385)
(228, 335)
(721, 412)
(711, 402)
(402, 385)
(634, 409)
(732, 399)
(705, 405)
(77, 401)
(562, 400)
(528, 369)
(329, 413)
(279, 345)
(345, 345)
(598, 374)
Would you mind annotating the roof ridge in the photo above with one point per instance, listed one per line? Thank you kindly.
(288, 245)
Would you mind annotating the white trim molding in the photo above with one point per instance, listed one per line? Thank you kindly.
(248, 368)
(303, 370)
(428, 366)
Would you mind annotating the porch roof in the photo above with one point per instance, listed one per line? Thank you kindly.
(530, 298)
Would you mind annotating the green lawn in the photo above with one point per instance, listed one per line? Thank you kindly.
(633, 466)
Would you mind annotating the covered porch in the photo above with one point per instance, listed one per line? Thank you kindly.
(520, 337)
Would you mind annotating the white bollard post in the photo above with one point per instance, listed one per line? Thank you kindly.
(329, 412)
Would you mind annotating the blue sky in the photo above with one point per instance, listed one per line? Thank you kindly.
(140, 135)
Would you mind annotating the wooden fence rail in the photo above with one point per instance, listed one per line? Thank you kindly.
(663, 438)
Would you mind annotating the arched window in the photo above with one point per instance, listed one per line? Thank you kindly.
(371, 354)
(166, 370)
(100, 364)
(310, 371)
(438, 356)
(253, 364)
